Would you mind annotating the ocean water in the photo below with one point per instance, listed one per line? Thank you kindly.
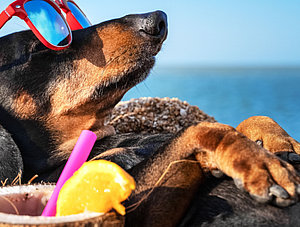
(231, 95)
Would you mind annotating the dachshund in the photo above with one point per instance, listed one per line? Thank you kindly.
(48, 97)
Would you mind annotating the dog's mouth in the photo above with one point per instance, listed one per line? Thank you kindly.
(124, 80)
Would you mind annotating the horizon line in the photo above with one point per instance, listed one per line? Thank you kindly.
(225, 66)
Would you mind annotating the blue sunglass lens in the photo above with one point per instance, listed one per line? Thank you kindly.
(48, 22)
(79, 15)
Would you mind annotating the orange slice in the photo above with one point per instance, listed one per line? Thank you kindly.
(98, 186)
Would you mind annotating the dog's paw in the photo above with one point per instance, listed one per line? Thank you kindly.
(268, 134)
(268, 179)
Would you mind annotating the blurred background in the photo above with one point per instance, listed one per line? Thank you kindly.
(234, 59)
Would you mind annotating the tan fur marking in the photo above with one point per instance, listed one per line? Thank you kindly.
(24, 105)
(66, 127)
(105, 131)
(113, 151)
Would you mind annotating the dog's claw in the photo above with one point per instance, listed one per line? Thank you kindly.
(261, 199)
(298, 189)
(294, 158)
(290, 157)
(239, 183)
(284, 202)
(217, 173)
(278, 191)
(259, 142)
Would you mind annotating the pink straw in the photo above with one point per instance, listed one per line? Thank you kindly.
(78, 156)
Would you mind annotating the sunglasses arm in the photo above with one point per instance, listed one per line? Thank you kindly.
(72, 21)
(10, 11)
(4, 17)
(13, 9)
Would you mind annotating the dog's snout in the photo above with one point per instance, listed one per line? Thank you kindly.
(152, 25)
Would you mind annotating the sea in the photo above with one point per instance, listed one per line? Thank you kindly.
(230, 95)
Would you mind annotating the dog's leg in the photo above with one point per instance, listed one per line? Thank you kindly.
(258, 171)
(267, 133)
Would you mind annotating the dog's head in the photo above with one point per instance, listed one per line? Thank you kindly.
(54, 95)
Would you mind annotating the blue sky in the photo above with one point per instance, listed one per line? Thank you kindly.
(211, 32)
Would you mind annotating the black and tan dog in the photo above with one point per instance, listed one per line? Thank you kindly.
(47, 97)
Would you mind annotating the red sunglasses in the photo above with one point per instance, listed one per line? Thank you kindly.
(45, 19)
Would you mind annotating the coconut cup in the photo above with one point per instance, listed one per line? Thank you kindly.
(22, 206)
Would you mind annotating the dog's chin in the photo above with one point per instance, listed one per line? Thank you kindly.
(129, 78)
(137, 74)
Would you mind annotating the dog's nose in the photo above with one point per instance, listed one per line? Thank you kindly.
(152, 25)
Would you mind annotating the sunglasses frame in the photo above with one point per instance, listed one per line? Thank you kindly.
(17, 9)
(72, 21)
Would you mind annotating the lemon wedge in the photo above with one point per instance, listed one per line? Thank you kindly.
(98, 186)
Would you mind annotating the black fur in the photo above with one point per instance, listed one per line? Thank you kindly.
(11, 163)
